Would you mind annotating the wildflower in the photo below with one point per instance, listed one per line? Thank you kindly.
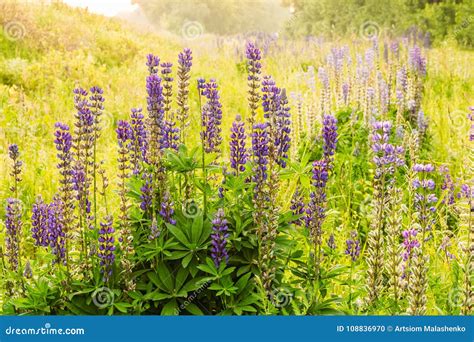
(13, 225)
(298, 207)
(139, 139)
(39, 223)
(56, 232)
(184, 67)
(106, 248)
(316, 209)
(211, 118)
(353, 247)
(219, 238)
(329, 135)
(167, 210)
(254, 68)
(238, 152)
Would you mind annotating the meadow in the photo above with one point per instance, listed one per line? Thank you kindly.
(252, 175)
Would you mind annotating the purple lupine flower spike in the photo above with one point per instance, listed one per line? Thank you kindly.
(14, 154)
(146, 190)
(39, 223)
(184, 68)
(56, 232)
(254, 69)
(260, 152)
(139, 139)
(211, 117)
(166, 210)
(329, 134)
(106, 252)
(353, 246)
(238, 152)
(298, 207)
(219, 238)
(13, 225)
(152, 62)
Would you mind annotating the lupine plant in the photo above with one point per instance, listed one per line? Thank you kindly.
(324, 195)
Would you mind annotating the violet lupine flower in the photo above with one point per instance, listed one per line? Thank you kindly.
(146, 194)
(211, 117)
(254, 69)
(13, 225)
(152, 62)
(353, 247)
(170, 133)
(345, 93)
(124, 133)
(63, 141)
(422, 122)
(331, 241)
(424, 197)
(39, 223)
(260, 141)
(184, 68)
(325, 90)
(96, 107)
(271, 98)
(167, 210)
(444, 246)
(283, 130)
(106, 248)
(298, 207)
(416, 61)
(139, 139)
(155, 107)
(56, 232)
(329, 135)
(386, 156)
(125, 141)
(166, 70)
(167, 89)
(219, 238)
(409, 243)
(14, 154)
(238, 152)
(448, 185)
(155, 232)
(316, 210)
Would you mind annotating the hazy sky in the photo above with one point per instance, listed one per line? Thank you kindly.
(105, 7)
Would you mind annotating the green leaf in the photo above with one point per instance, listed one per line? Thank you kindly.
(178, 233)
(196, 229)
(122, 307)
(181, 278)
(194, 309)
(165, 277)
(186, 260)
(170, 308)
